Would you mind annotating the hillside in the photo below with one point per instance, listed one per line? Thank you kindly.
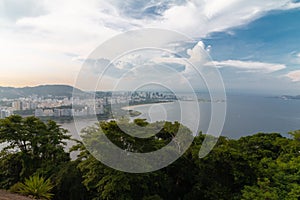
(42, 90)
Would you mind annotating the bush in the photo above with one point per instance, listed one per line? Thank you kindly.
(68, 183)
(11, 166)
(35, 186)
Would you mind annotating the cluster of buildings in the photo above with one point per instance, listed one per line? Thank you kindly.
(5, 113)
(47, 107)
(67, 107)
(68, 112)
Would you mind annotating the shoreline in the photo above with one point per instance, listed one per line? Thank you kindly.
(132, 107)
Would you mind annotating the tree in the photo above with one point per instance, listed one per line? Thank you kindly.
(229, 171)
(261, 192)
(222, 173)
(278, 178)
(10, 169)
(262, 166)
(68, 183)
(38, 146)
(106, 183)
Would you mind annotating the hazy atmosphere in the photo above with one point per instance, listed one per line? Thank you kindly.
(150, 100)
(255, 44)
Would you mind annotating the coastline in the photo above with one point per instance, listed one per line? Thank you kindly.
(132, 107)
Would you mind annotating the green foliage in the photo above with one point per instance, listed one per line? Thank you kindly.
(278, 177)
(261, 192)
(221, 174)
(230, 171)
(32, 146)
(281, 179)
(261, 166)
(10, 169)
(154, 197)
(15, 188)
(107, 183)
(33, 137)
(141, 122)
(35, 186)
(68, 183)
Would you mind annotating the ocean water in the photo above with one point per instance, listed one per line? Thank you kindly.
(245, 115)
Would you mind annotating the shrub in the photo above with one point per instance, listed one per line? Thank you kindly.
(35, 186)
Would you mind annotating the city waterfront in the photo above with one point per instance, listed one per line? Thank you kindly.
(246, 115)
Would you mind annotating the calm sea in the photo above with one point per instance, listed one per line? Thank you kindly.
(246, 115)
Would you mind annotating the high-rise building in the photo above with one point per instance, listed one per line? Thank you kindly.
(25, 105)
(5, 113)
(17, 105)
(33, 105)
(57, 112)
(39, 112)
(2, 114)
(48, 112)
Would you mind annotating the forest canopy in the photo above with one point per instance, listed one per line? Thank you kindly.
(260, 166)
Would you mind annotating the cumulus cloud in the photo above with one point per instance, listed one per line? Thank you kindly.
(198, 70)
(197, 55)
(141, 9)
(198, 17)
(294, 75)
(201, 17)
(291, 5)
(250, 66)
(76, 26)
(43, 34)
(13, 9)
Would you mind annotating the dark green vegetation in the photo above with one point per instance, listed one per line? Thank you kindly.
(134, 113)
(261, 166)
(35, 186)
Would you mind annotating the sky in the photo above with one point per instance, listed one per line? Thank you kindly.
(255, 44)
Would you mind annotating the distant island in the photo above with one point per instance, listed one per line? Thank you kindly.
(289, 97)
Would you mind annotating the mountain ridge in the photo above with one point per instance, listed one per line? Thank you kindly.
(57, 90)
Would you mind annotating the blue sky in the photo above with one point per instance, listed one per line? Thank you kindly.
(273, 38)
(255, 44)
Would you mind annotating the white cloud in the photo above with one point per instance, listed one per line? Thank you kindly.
(294, 75)
(292, 5)
(76, 26)
(35, 46)
(39, 38)
(197, 67)
(250, 66)
(198, 55)
(201, 17)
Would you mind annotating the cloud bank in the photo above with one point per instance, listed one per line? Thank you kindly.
(294, 75)
(250, 66)
(45, 40)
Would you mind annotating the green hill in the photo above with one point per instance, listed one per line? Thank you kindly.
(41, 91)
